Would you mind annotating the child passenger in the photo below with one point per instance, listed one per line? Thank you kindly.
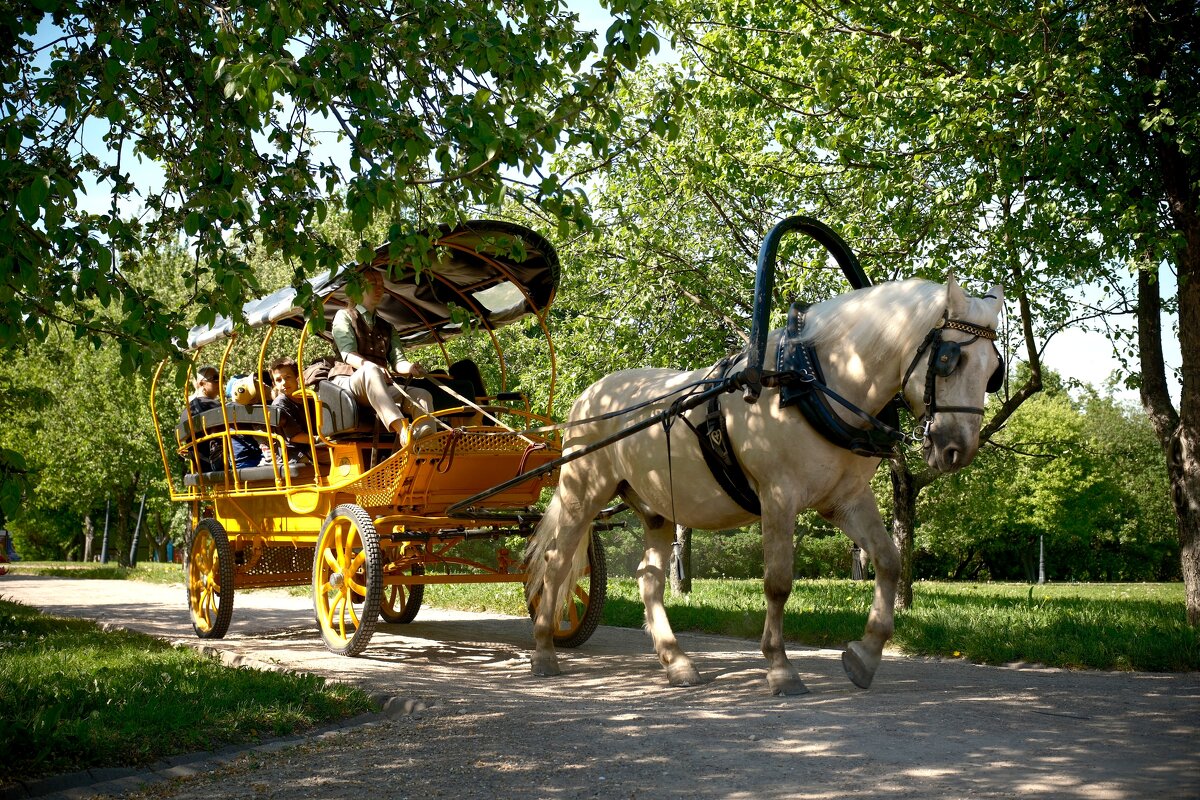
(285, 377)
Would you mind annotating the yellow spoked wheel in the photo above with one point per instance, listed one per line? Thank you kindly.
(210, 580)
(401, 602)
(347, 580)
(584, 605)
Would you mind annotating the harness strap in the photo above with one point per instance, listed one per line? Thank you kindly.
(802, 385)
(713, 435)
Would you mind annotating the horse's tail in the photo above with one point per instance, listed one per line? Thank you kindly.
(537, 553)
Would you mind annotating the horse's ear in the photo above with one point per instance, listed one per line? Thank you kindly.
(956, 298)
(996, 294)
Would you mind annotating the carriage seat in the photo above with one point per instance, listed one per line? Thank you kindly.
(343, 417)
(212, 421)
(264, 474)
(441, 398)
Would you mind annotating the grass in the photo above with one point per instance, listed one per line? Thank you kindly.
(76, 697)
(149, 572)
(1118, 626)
(1094, 626)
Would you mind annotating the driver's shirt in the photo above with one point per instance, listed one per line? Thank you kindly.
(346, 342)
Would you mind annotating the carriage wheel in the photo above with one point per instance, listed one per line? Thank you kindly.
(210, 580)
(582, 609)
(347, 580)
(401, 602)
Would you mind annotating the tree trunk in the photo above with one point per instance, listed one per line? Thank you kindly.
(681, 561)
(858, 563)
(1177, 169)
(904, 521)
(1177, 432)
(89, 535)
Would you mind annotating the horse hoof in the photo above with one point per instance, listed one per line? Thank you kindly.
(787, 684)
(543, 668)
(685, 675)
(856, 669)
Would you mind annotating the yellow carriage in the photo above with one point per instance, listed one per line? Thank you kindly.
(362, 513)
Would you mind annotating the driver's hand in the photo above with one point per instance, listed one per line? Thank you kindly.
(410, 369)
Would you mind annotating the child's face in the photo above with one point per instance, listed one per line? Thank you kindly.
(285, 380)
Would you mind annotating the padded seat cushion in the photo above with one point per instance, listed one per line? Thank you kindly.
(248, 474)
(212, 421)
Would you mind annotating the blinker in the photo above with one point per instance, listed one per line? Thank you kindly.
(996, 381)
(946, 359)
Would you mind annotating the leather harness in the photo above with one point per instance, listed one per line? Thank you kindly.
(718, 454)
(802, 384)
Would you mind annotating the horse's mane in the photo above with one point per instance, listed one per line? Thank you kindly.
(879, 316)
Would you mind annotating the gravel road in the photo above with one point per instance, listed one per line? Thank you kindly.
(471, 722)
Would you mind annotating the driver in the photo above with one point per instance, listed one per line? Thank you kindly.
(368, 345)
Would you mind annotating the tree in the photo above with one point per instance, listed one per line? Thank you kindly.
(915, 131)
(1134, 137)
(1084, 477)
(217, 124)
(93, 442)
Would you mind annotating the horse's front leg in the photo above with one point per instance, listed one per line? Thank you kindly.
(862, 523)
(660, 536)
(778, 555)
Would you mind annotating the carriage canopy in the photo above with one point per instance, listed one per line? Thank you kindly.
(482, 273)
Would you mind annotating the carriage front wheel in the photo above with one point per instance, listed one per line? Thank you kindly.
(347, 580)
(581, 610)
(210, 580)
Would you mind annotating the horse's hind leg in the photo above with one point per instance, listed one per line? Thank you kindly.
(778, 555)
(862, 523)
(561, 539)
(660, 536)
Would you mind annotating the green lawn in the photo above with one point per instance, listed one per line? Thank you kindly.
(1123, 626)
(147, 571)
(1097, 626)
(76, 697)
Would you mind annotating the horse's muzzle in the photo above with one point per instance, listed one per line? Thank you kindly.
(950, 447)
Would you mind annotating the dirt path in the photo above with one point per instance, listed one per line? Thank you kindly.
(610, 727)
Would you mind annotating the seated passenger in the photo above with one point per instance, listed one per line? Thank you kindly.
(248, 451)
(204, 397)
(369, 346)
(285, 377)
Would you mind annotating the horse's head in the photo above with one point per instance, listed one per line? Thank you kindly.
(951, 374)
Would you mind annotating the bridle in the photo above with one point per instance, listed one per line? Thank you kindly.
(943, 360)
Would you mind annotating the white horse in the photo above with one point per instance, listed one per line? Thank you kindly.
(871, 344)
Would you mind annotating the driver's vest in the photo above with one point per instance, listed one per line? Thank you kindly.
(374, 341)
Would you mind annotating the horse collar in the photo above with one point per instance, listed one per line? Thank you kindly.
(802, 384)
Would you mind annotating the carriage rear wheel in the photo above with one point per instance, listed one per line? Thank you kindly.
(347, 580)
(210, 580)
(401, 602)
(583, 607)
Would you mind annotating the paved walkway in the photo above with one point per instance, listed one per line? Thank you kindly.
(473, 722)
